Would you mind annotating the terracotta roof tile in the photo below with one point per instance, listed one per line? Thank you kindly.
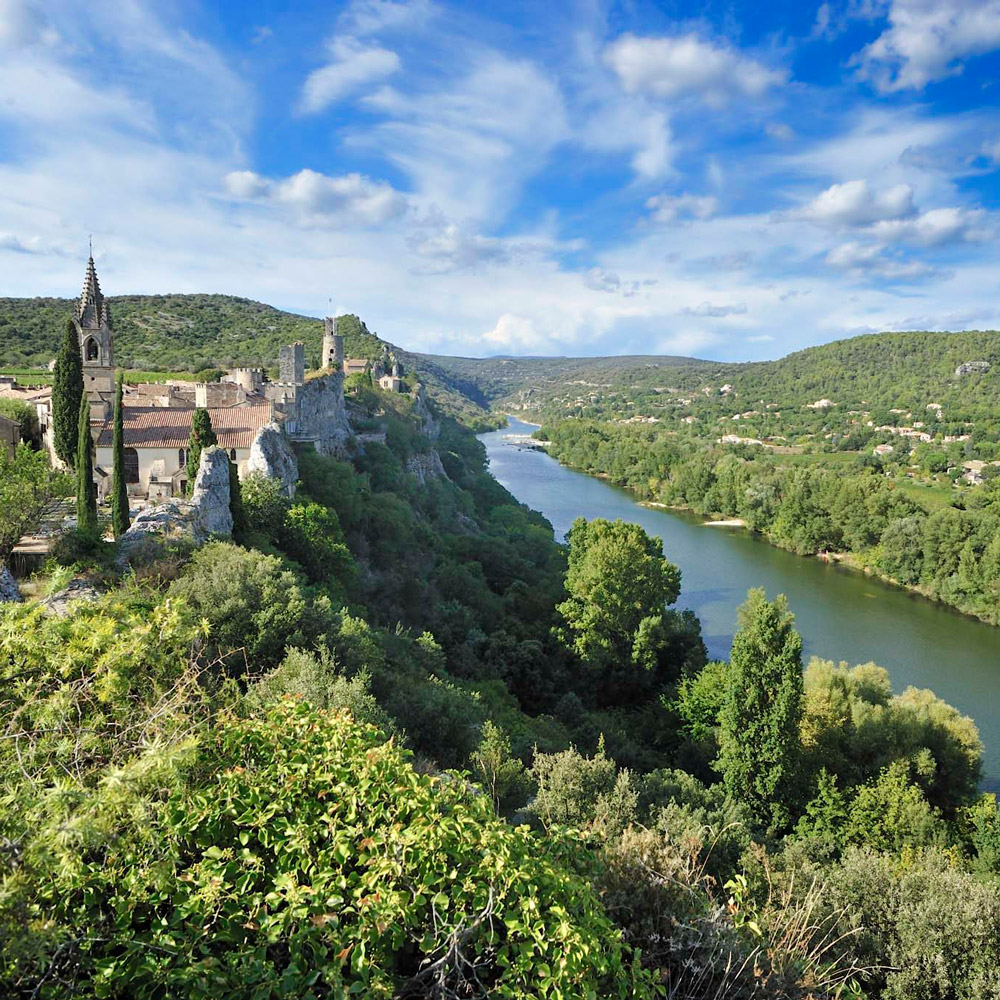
(167, 427)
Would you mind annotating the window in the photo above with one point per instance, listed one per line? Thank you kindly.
(91, 352)
(232, 454)
(181, 458)
(131, 465)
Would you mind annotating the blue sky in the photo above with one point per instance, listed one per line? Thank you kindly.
(725, 180)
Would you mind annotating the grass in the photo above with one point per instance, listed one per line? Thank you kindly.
(930, 496)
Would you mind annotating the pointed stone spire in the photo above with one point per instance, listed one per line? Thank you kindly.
(91, 312)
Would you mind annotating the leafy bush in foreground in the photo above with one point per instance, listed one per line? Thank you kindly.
(302, 856)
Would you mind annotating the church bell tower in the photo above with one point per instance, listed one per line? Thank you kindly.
(93, 327)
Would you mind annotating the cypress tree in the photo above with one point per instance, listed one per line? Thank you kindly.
(202, 436)
(67, 388)
(119, 491)
(762, 707)
(86, 490)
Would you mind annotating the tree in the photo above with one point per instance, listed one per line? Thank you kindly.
(619, 585)
(202, 436)
(759, 722)
(86, 489)
(119, 491)
(30, 489)
(67, 388)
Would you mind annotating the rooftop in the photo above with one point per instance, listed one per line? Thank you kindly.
(166, 427)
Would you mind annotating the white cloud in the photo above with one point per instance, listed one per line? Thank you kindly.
(937, 227)
(22, 23)
(779, 131)
(319, 199)
(716, 311)
(870, 261)
(469, 143)
(368, 17)
(670, 208)
(447, 247)
(514, 334)
(354, 66)
(928, 40)
(672, 67)
(855, 203)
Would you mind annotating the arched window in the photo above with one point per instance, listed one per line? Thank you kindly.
(232, 454)
(181, 458)
(131, 465)
(91, 352)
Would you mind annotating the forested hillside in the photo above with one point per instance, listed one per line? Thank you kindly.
(233, 774)
(195, 333)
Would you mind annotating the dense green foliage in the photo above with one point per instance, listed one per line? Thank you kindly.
(67, 388)
(761, 709)
(86, 488)
(230, 775)
(202, 436)
(119, 488)
(30, 489)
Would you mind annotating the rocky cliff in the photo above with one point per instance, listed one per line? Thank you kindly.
(271, 455)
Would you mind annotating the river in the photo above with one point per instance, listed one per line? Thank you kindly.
(841, 614)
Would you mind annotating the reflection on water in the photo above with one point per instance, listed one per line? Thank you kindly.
(842, 615)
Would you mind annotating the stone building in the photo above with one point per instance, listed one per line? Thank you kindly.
(292, 363)
(156, 442)
(333, 346)
(93, 328)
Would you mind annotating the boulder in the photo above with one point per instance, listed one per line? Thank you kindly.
(9, 590)
(77, 590)
(271, 455)
(205, 515)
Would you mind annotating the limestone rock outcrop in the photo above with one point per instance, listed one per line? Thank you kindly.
(76, 590)
(205, 515)
(271, 455)
(9, 590)
(426, 466)
(322, 415)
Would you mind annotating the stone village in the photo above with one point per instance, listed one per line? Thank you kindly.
(246, 408)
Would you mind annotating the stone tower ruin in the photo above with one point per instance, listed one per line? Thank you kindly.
(292, 363)
(333, 346)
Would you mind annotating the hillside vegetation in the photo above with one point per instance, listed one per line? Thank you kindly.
(194, 333)
(393, 741)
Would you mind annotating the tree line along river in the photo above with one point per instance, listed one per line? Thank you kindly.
(841, 614)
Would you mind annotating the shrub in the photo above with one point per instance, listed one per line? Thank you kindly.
(304, 857)
(256, 607)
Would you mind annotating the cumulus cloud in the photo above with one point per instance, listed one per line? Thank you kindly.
(716, 311)
(514, 334)
(937, 227)
(855, 203)
(353, 66)
(319, 199)
(870, 261)
(672, 67)
(449, 247)
(929, 40)
(670, 208)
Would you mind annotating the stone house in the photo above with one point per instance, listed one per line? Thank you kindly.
(156, 442)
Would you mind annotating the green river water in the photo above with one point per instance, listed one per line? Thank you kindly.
(841, 614)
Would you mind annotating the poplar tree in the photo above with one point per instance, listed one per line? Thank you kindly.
(86, 490)
(762, 708)
(119, 490)
(67, 389)
(202, 436)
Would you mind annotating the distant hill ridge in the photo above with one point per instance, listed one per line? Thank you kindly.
(199, 331)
